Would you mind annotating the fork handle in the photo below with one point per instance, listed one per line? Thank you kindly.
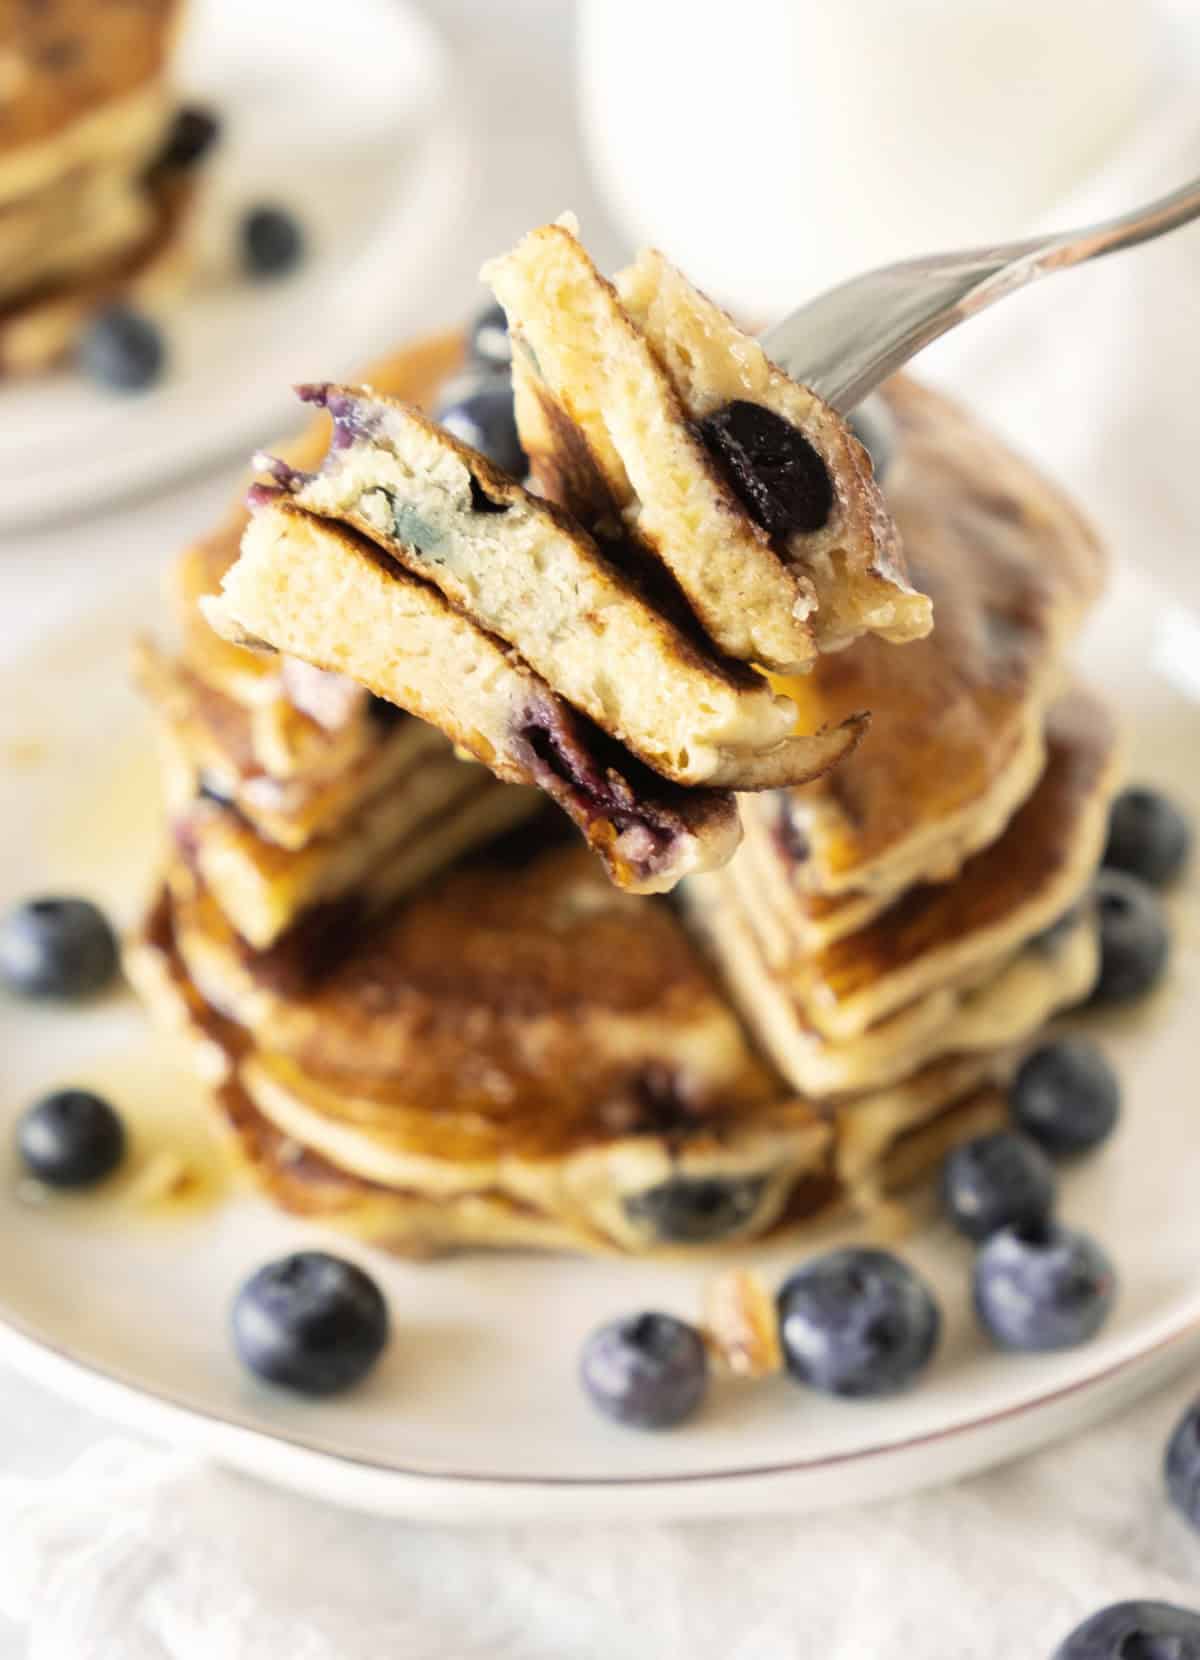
(847, 341)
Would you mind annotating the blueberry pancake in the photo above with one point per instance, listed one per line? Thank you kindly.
(492, 1062)
(39, 327)
(583, 618)
(752, 417)
(318, 590)
(224, 754)
(422, 820)
(94, 195)
(466, 1077)
(960, 965)
(956, 741)
(731, 509)
(997, 1006)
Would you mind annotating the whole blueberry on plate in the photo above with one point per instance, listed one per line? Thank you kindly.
(479, 411)
(1134, 941)
(57, 947)
(1148, 836)
(1042, 1286)
(1135, 1631)
(857, 1322)
(122, 350)
(488, 344)
(647, 1370)
(311, 1322)
(1183, 1465)
(70, 1139)
(272, 241)
(995, 1181)
(1066, 1096)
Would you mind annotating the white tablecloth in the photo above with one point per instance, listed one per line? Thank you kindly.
(109, 1548)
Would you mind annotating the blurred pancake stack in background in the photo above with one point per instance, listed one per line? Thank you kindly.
(98, 167)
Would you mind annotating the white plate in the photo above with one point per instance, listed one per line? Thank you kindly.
(347, 115)
(475, 1411)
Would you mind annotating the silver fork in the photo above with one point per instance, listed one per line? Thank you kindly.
(848, 340)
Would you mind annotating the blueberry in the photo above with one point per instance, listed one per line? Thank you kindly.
(1183, 1465)
(488, 345)
(1135, 1631)
(193, 133)
(56, 948)
(696, 1210)
(872, 424)
(122, 350)
(272, 241)
(70, 1139)
(648, 1370)
(479, 411)
(996, 1181)
(1148, 836)
(1066, 1096)
(857, 1322)
(310, 1321)
(1134, 942)
(1042, 1286)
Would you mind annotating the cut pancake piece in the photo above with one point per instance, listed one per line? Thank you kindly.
(622, 1105)
(319, 591)
(950, 934)
(581, 362)
(749, 411)
(395, 841)
(415, 373)
(523, 571)
(1002, 1007)
(955, 741)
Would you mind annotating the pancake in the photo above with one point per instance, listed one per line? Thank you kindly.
(40, 327)
(515, 1069)
(854, 560)
(954, 745)
(71, 228)
(217, 749)
(949, 934)
(80, 79)
(415, 373)
(317, 590)
(1004, 1005)
(519, 1139)
(729, 510)
(397, 840)
(590, 624)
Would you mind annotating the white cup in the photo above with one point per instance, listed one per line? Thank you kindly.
(774, 147)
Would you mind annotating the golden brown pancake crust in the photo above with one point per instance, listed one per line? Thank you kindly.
(1011, 567)
(1038, 847)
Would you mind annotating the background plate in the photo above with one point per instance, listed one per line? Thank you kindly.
(378, 202)
(475, 1411)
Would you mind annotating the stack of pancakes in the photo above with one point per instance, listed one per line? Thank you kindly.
(602, 634)
(919, 912)
(514, 1051)
(91, 206)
